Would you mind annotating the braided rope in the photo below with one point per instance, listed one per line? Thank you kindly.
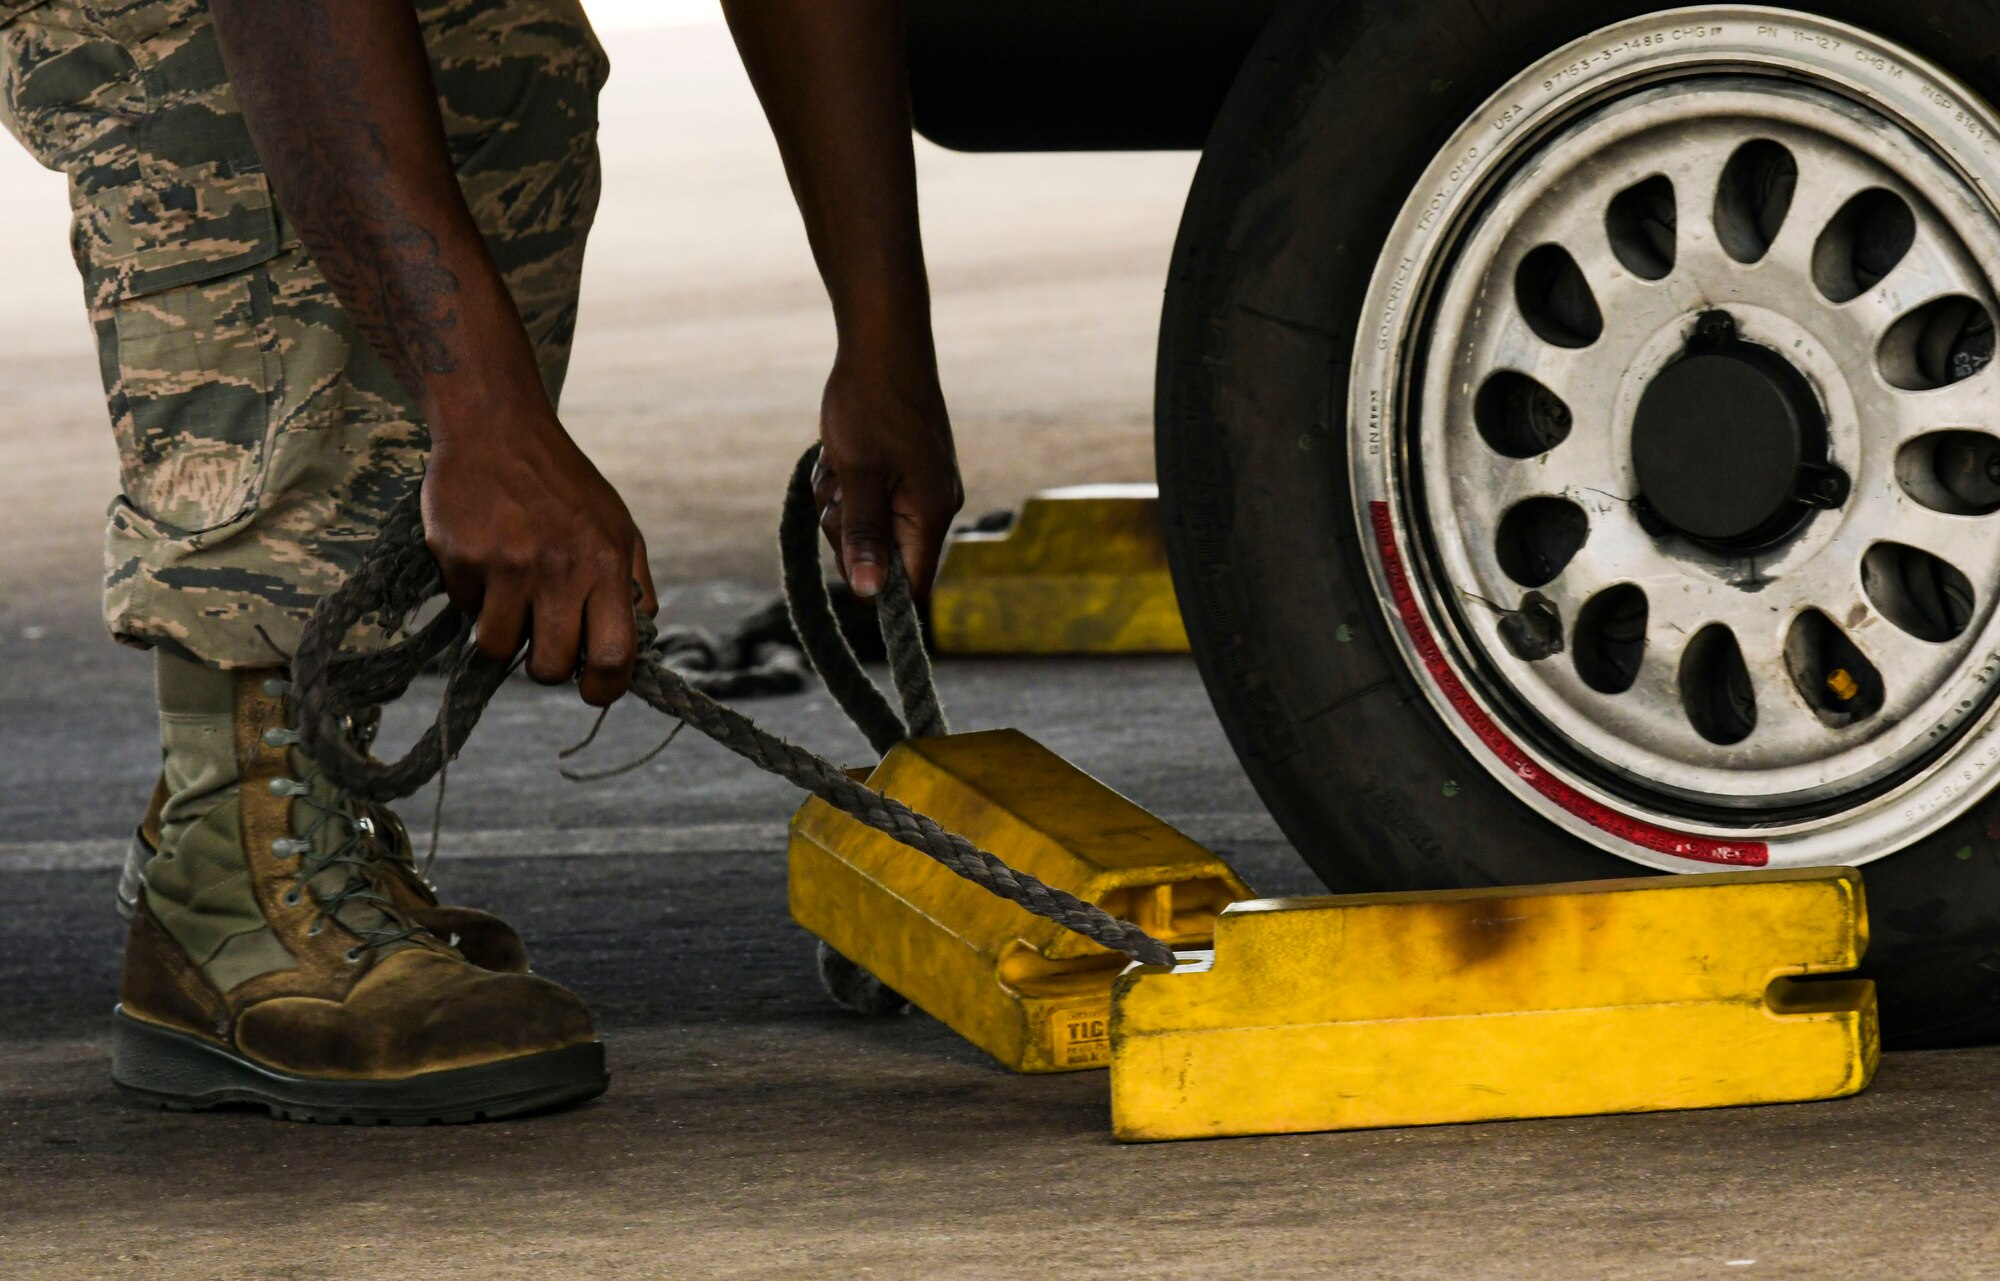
(400, 576)
(909, 664)
(824, 644)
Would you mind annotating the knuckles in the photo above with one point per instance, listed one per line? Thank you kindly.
(610, 661)
(542, 561)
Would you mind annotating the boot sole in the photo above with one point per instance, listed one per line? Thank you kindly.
(186, 1074)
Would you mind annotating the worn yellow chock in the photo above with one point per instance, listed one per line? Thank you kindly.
(1480, 1005)
(1081, 571)
(1025, 990)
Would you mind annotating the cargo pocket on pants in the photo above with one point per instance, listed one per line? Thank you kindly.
(192, 378)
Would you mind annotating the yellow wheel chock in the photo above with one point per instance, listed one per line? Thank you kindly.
(1479, 1005)
(1081, 571)
(1030, 993)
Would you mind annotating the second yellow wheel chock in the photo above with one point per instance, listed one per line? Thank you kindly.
(1562, 1000)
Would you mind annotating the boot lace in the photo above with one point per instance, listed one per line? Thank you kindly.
(336, 836)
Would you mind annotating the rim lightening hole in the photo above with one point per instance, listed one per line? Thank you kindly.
(1518, 417)
(1538, 537)
(1642, 221)
(1863, 244)
(1954, 472)
(1610, 639)
(1925, 596)
(1945, 341)
(1835, 679)
(1556, 300)
(1753, 199)
(1716, 691)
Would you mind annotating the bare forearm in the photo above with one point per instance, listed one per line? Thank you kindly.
(528, 534)
(832, 80)
(339, 100)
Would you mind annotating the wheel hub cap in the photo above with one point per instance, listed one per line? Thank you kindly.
(1727, 439)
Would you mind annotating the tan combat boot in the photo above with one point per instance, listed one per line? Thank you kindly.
(480, 937)
(270, 960)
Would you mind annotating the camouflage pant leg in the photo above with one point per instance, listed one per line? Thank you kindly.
(260, 441)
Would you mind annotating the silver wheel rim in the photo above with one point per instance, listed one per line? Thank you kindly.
(1562, 579)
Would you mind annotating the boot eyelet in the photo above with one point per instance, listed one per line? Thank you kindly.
(292, 898)
(352, 956)
(275, 688)
(313, 930)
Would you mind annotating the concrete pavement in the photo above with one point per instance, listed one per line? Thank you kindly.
(752, 1131)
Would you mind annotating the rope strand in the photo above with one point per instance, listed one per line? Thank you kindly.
(818, 628)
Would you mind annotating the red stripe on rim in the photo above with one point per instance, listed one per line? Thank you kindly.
(1645, 835)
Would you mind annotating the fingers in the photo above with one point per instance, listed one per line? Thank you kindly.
(610, 647)
(465, 590)
(540, 544)
(584, 628)
(826, 498)
(864, 517)
(829, 525)
(503, 620)
(642, 573)
(576, 613)
(558, 626)
(918, 541)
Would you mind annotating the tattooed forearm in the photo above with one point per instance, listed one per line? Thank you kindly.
(345, 118)
(386, 267)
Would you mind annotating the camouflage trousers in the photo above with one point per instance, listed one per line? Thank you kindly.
(260, 440)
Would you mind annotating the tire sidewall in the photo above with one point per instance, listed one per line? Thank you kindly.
(1337, 113)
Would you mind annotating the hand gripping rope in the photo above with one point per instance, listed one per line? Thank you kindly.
(399, 577)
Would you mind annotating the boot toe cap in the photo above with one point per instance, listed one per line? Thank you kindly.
(414, 1012)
